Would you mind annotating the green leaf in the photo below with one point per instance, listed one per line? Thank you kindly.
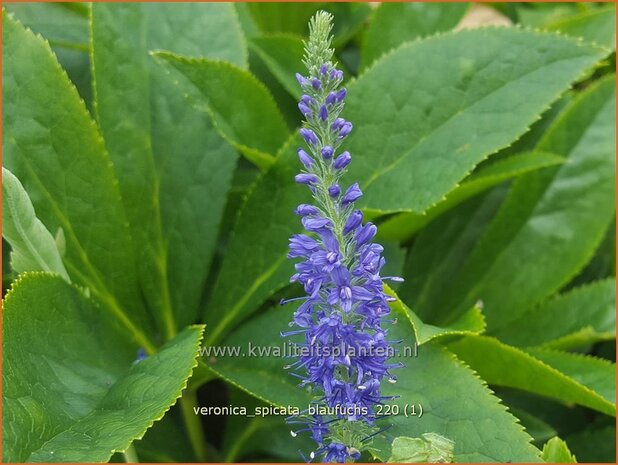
(416, 129)
(593, 25)
(557, 451)
(435, 108)
(241, 107)
(481, 428)
(595, 373)
(404, 225)
(471, 322)
(56, 151)
(551, 222)
(260, 374)
(33, 248)
(581, 316)
(440, 250)
(393, 24)
(283, 54)
(430, 447)
(76, 394)
(255, 263)
(65, 26)
(62, 24)
(174, 169)
(540, 372)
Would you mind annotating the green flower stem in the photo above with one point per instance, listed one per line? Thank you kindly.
(130, 455)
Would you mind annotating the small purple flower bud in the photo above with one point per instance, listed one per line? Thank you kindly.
(314, 224)
(327, 152)
(342, 160)
(305, 209)
(324, 69)
(334, 190)
(304, 178)
(306, 100)
(302, 80)
(354, 221)
(339, 122)
(345, 129)
(341, 93)
(305, 158)
(336, 74)
(309, 136)
(331, 98)
(365, 234)
(304, 109)
(315, 82)
(323, 113)
(352, 194)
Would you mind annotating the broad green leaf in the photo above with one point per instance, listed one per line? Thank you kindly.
(65, 26)
(595, 373)
(594, 445)
(581, 316)
(173, 167)
(404, 225)
(283, 54)
(593, 25)
(480, 427)
(260, 374)
(255, 263)
(435, 108)
(241, 107)
(602, 265)
(77, 394)
(471, 322)
(551, 222)
(56, 151)
(411, 116)
(557, 451)
(504, 365)
(440, 250)
(33, 248)
(392, 24)
(430, 447)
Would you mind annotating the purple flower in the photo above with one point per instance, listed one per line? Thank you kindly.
(323, 113)
(304, 209)
(342, 160)
(304, 178)
(345, 129)
(334, 190)
(327, 152)
(305, 159)
(304, 109)
(339, 270)
(302, 80)
(309, 136)
(354, 221)
(352, 194)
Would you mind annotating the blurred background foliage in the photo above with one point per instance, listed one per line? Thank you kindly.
(363, 32)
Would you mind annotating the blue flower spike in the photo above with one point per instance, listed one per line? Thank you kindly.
(344, 349)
